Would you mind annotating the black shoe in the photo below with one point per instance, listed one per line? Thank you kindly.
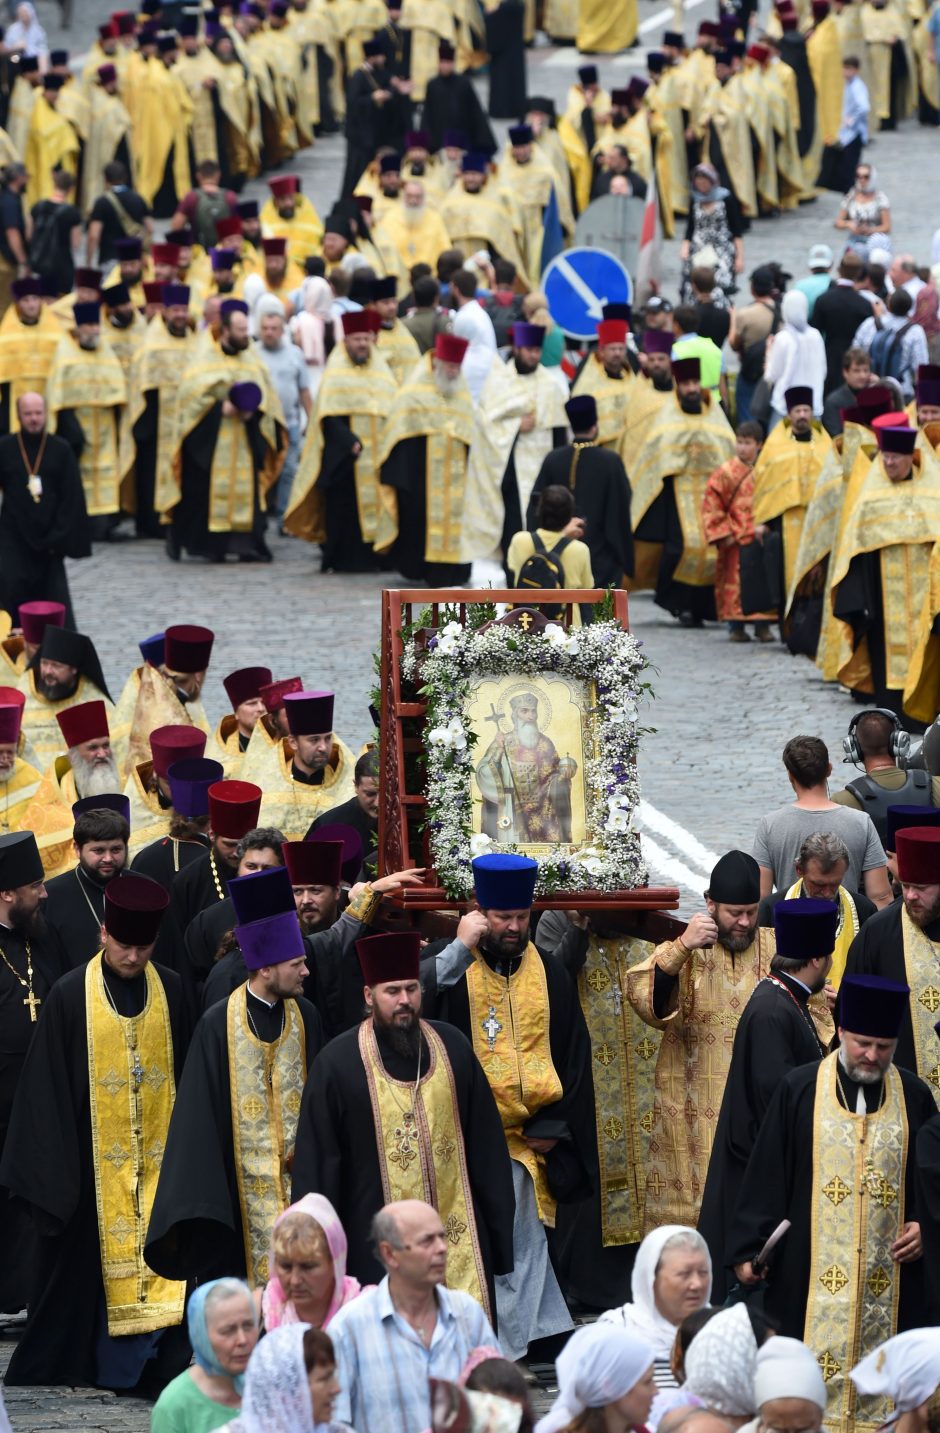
(689, 619)
(173, 548)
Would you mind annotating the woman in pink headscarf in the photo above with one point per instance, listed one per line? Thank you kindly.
(308, 1280)
(314, 328)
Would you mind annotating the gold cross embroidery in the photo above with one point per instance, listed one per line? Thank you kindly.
(830, 1366)
(613, 1128)
(930, 999)
(879, 1282)
(604, 1055)
(834, 1279)
(646, 1048)
(836, 1191)
(598, 980)
(656, 1184)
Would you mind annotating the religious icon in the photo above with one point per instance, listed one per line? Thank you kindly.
(528, 781)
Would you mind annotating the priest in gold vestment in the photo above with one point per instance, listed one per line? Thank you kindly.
(478, 215)
(835, 1156)
(694, 990)
(100, 1082)
(29, 337)
(607, 377)
(785, 474)
(305, 773)
(354, 1148)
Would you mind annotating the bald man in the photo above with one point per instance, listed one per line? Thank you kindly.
(43, 518)
(408, 1329)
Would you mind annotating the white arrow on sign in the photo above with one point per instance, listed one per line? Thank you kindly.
(592, 303)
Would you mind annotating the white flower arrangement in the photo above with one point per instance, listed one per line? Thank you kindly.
(602, 653)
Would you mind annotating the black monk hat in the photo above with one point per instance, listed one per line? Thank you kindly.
(73, 649)
(20, 862)
(735, 880)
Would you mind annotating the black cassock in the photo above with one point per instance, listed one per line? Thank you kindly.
(190, 525)
(36, 537)
(364, 124)
(344, 549)
(601, 497)
(451, 103)
(164, 859)
(336, 1147)
(196, 1224)
(146, 518)
(17, 1267)
(660, 523)
(778, 1185)
(775, 1034)
(48, 1163)
(406, 471)
(859, 601)
(793, 53)
(927, 1158)
(350, 813)
(505, 41)
(75, 911)
(878, 949)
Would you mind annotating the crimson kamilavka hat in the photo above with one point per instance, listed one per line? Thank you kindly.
(12, 702)
(20, 861)
(805, 928)
(417, 139)
(35, 617)
(871, 1006)
(106, 801)
(710, 28)
(309, 713)
(189, 781)
(657, 340)
(153, 292)
(392, 956)
(917, 851)
(820, 10)
(314, 863)
(611, 330)
(350, 840)
(273, 693)
(233, 808)
(686, 369)
(174, 743)
(88, 279)
(168, 254)
(228, 226)
(133, 908)
(187, 649)
(87, 721)
(261, 894)
(359, 321)
(107, 74)
(760, 54)
(283, 185)
(275, 247)
(797, 396)
(898, 818)
(450, 347)
(245, 684)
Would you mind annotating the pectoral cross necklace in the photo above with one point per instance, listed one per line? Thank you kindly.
(127, 1024)
(34, 483)
(32, 999)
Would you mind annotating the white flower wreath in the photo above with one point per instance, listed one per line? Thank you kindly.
(601, 652)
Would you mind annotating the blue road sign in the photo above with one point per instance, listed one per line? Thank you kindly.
(578, 283)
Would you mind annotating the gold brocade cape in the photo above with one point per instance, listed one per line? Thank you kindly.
(784, 482)
(624, 1052)
(149, 700)
(365, 395)
(760, 120)
(606, 28)
(51, 143)
(856, 1213)
(430, 22)
(663, 100)
(476, 221)
(91, 384)
(49, 817)
(39, 717)
(922, 972)
(413, 243)
(922, 688)
(304, 232)
(446, 424)
(846, 930)
(421, 1152)
(727, 110)
(132, 1089)
(528, 188)
(161, 116)
(612, 396)
(399, 350)
(900, 521)
(687, 447)
(109, 122)
(824, 52)
(207, 380)
(509, 1030)
(826, 521)
(505, 399)
(266, 1082)
(291, 805)
(692, 1065)
(16, 793)
(26, 353)
(193, 71)
(226, 746)
(126, 343)
(149, 821)
(159, 364)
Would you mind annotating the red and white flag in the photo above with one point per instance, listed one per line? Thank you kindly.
(651, 239)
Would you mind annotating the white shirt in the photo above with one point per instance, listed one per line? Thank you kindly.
(471, 323)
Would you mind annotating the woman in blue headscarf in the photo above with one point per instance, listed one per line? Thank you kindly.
(223, 1330)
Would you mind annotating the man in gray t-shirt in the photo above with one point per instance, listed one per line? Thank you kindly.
(781, 834)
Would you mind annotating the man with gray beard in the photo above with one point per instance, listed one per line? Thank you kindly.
(413, 229)
(93, 770)
(423, 455)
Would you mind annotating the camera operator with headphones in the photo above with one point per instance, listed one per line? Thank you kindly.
(877, 741)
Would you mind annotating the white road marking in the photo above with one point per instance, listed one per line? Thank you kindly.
(669, 867)
(689, 846)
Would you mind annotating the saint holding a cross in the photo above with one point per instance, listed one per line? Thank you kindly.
(526, 787)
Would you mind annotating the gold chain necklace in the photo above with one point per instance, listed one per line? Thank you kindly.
(215, 876)
(32, 999)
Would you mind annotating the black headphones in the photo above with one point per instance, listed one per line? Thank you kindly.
(899, 743)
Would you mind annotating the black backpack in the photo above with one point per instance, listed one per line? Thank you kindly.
(45, 252)
(887, 352)
(543, 570)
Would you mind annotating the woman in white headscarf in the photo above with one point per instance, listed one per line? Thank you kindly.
(26, 36)
(796, 355)
(314, 328)
(720, 1363)
(789, 1391)
(905, 1369)
(672, 1278)
(290, 1384)
(605, 1383)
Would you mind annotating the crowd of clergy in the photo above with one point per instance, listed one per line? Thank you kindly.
(255, 1117)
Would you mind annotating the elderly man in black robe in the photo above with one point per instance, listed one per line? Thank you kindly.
(601, 490)
(43, 519)
(775, 1034)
